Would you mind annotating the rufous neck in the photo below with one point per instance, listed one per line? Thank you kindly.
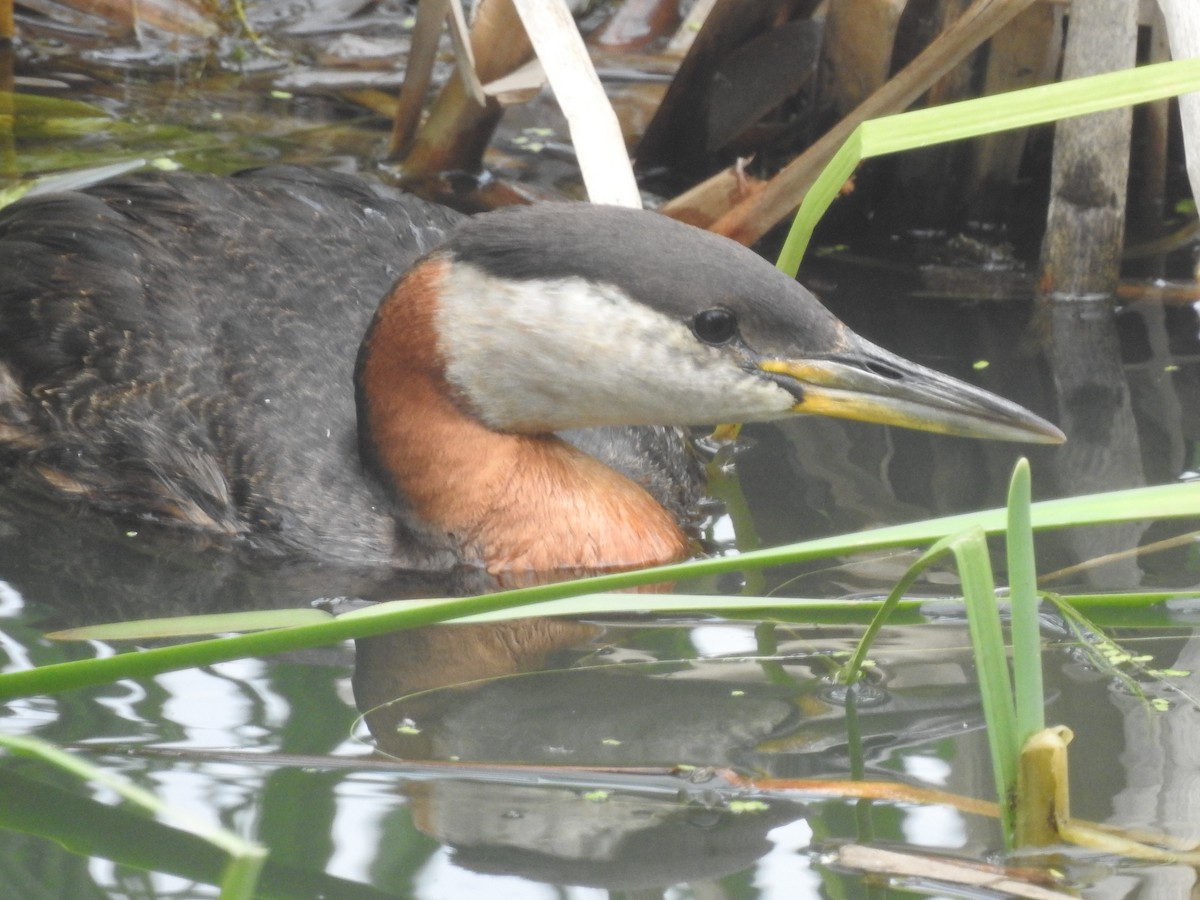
(518, 504)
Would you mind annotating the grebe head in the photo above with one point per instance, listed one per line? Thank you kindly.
(568, 315)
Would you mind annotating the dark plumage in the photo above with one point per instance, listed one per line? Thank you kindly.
(181, 348)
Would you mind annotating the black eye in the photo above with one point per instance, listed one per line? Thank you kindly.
(715, 326)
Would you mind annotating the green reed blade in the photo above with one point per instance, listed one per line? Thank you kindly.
(1026, 629)
(991, 664)
(978, 117)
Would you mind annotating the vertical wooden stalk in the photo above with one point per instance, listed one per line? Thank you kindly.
(859, 35)
(1085, 223)
(1081, 256)
(417, 74)
(927, 184)
(1153, 121)
(1022, 54)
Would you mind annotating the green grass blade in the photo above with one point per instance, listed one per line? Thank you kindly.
(131, 839)
(1026, 630)
(191, 626)
(818, 199)
(851, 672)
(1031, 106)
(1126, 609)
(242, 874)
(991, 665)
(1164, 501)
(246, 857)
(974, 118)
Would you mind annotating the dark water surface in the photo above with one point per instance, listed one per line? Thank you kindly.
(518, 740)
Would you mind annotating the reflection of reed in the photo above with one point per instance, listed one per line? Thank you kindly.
(1160, 756)
(1102, 451)
(1081, 254)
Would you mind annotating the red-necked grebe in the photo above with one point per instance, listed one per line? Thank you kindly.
(190, 349)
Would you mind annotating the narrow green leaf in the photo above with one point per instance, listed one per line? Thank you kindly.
(1164, 501)
(991, 665)
(984, 115)
(242, 874)
(129, 838)
(246, 857)
(851, 671)
(818, 199)
(1026, 630)
(838, 609)
(193, 626)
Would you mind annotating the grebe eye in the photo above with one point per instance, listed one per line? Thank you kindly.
(715, 326)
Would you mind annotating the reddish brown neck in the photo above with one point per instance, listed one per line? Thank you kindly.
(520, 504)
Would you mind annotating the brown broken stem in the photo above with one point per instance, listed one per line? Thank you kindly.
(458, 128)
